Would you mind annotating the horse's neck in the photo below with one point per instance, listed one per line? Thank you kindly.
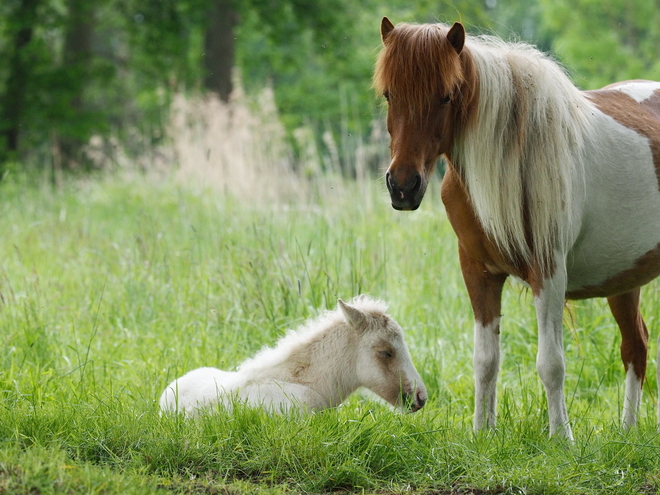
(518, 165)
(325, 363)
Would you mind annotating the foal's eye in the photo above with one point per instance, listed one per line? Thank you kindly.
(385, 354)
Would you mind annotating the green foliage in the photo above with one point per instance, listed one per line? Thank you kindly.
(110, 289)
(318, 60)
(605, 42)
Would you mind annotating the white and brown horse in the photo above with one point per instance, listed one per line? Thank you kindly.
(555, 186)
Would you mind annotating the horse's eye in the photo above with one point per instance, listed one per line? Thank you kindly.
(446, 100)
(385, 354)
(386, 95)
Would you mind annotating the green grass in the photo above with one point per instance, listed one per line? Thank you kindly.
(110, 289)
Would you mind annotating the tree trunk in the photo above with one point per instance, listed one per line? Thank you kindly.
(77, 57)
(219, 48)
(24, 19)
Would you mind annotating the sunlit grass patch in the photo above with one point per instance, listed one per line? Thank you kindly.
(109, 290)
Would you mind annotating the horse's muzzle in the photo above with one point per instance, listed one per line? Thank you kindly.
(407, 196)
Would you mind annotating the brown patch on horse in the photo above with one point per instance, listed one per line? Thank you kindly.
(484, 288)
(643, 118)
(653, 103)
(477, 249)
(646, 268)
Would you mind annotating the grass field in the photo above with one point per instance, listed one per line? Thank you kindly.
(110, 289)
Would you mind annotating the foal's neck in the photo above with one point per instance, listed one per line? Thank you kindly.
(325, 364)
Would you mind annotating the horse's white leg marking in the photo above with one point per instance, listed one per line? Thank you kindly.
(486, 360)
(633, 396)
(549, 305)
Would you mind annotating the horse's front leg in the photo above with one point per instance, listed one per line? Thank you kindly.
(549, 297)
(485, 291)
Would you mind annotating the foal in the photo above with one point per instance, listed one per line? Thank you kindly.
(314, 367)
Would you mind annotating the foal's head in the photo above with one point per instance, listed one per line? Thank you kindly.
(421, 72)
(383, 361)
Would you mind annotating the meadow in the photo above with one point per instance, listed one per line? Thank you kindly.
(111, 288)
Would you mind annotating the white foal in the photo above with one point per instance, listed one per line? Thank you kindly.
(314, 367)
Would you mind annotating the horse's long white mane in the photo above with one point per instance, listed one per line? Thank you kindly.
(522, 150)
(296, 339)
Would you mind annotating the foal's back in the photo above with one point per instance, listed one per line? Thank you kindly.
(201, 387)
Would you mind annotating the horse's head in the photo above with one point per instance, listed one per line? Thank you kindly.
(383, 361)
(421, 74)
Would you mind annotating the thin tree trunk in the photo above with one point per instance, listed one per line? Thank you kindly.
(219, 49)
(19, 74)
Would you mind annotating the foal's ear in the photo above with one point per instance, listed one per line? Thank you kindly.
(456, 37)
(386, 27)
(354, 317)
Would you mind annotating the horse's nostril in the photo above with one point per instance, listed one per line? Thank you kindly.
(417, 184)
(388, 181)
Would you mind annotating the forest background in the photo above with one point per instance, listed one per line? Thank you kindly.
(87, 85)
(117, 277)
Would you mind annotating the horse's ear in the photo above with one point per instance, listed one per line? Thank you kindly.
(456, 37)
(386, 27)
(354, 317)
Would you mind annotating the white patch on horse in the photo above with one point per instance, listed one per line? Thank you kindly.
(639, 90)
(632, 399)
(486, 359)
(611, 205)
(314, 367)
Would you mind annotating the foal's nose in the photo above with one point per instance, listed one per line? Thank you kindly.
(420, 399)
(404, 195)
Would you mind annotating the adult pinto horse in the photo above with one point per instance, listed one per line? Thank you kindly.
(555, 186)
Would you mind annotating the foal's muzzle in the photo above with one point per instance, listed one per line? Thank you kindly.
(413, 402)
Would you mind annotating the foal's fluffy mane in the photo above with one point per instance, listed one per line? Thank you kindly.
(296, 339)
(520, 149)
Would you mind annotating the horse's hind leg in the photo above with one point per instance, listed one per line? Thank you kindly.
(634, 349)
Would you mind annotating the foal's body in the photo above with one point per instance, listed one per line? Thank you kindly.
(557, 187)
(204, 387)
(314, 367)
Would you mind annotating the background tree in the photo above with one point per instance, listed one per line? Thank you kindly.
(605, 41)
(17, 30)
(219, 48)
(73, 69)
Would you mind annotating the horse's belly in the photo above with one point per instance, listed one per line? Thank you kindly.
(611, 277)
(618, 250)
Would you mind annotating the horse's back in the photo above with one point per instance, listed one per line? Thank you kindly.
(617, 247)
